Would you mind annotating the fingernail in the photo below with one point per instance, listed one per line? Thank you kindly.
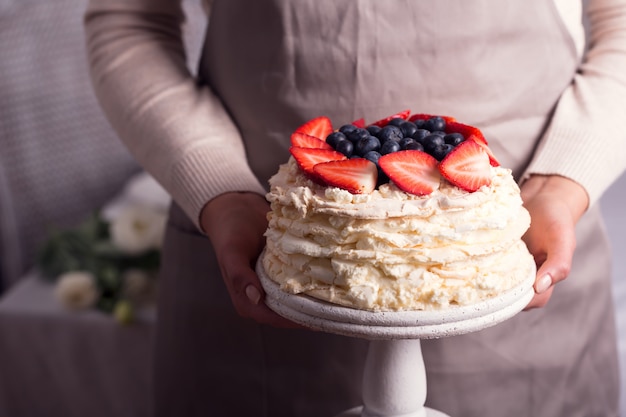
(543, 284)
(253, 294)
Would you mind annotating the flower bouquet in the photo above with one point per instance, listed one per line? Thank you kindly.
(111, 259)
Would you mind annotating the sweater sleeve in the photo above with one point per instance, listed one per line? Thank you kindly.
(586, 138)
(177, 130)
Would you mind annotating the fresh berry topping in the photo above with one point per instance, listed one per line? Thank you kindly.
(320, 127)
(302, 140)
(438, 137)
(357, 175)
(467, 166)
(307, 158)
(414, 172)
(401, 115)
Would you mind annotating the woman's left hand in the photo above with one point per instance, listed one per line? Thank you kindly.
(555, 205)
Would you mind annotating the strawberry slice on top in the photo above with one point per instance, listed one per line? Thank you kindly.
(360, 123)
(467, 166)
(385, 121)
(356, 175)
(302, 140)
(307, 158)
(474, 134)
(414, 172)
(469, 132)
(319, 127)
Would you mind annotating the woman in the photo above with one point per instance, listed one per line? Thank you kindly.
(547, 97)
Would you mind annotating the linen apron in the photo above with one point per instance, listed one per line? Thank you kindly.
(500, 66)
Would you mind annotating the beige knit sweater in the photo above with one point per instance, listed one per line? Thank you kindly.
(182, 135)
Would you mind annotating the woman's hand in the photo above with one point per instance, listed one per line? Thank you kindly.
(555, 205)
(235, 223)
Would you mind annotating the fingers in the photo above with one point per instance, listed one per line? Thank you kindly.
(247, 294)
(540, 300)
(553, 270)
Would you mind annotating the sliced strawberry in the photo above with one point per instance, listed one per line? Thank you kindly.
(307, 158)
(302, 140)
(414, 172)
(320, 127)
(469, 132)
(492, 158)
(356, 175)
(423, 116)
(467, 166)
(474, 134)
(383, 122)
(359, 123)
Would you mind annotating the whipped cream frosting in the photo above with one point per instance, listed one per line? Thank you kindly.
(392, 251)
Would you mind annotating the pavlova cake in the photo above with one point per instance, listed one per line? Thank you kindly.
(412, 212)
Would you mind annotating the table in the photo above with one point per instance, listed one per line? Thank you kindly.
(55, 362)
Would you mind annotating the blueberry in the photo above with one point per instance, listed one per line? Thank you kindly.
(389, 147)
(364, 145)
(430, 142)
(345, 147)
(406, 141)
(420, 134)
(414, 146)
(372, 156)
(419, 123)
(440, 151)
(335, 138)
(357, 134)
(396, 121)
(373, 129)
(347, 128)
(390, 133)
(453, 138)
(408, 128)
(435, 123)
(438, 132)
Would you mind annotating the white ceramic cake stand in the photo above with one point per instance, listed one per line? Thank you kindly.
(394, 379)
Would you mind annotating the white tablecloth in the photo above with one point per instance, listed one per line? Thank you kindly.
(67, 364)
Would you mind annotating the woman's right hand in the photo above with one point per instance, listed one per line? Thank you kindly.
(235, 224)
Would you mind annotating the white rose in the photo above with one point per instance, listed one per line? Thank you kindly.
(77, 290)
(137, 229)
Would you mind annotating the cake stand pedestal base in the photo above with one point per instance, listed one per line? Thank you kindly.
(394, 381)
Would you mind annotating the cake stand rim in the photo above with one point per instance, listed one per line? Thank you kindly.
(325, 316)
